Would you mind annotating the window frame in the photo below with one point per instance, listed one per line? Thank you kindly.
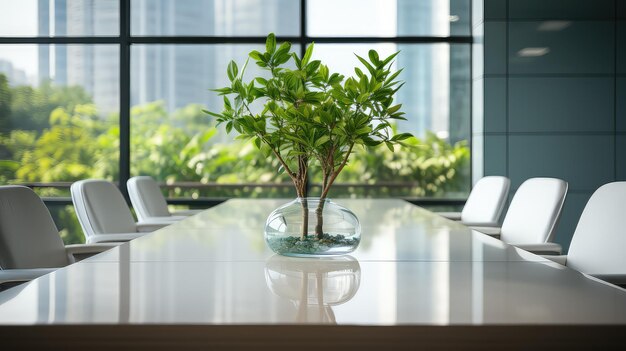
(125, 40)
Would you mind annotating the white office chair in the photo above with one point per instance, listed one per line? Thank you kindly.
(104, 215)
(533, 215)
(598, 244)
(484, 204)
(149, 203)
(30, 245)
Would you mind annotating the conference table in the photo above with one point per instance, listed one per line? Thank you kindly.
(416, 280)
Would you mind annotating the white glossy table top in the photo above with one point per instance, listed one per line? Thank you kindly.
(412, 267)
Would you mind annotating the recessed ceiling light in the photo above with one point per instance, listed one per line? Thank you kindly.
(553, 26)
(533, 52)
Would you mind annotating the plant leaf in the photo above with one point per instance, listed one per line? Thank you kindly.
(256, 55)
(307, 54)
(388, 59)
(374, 57)
(232, 70)
(367, 65)
(270, 43)
(389, 146)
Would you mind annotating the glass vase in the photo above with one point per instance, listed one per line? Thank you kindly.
(310, 227)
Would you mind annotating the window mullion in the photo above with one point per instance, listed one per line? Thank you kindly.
(124, 42)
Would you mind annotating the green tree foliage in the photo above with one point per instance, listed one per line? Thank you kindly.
(5, 104)
(163, 145)
(31, 107)
(40, 133)
(67, 150)
(431, 166)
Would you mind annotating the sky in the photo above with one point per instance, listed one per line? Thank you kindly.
(380, 15)
(13, 22)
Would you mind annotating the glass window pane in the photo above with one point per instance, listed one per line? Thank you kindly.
(215, 17)
(60, 113)
(175, 142)
(59, 18)
(436, 99)
(66, 221)
(387, 18)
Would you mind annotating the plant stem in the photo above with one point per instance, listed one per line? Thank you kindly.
(302, 193)
(326, 183)
(319, 212)
(305, 218)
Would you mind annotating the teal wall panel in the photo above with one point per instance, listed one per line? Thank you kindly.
(620, 158)
(495, 106)
(495, 155)
(495, 47)
(561, 104)
(584, 161)
(495, 10)
(561, 9)
(621, 47)
(621, 104)
(621, 9)
(581, 47)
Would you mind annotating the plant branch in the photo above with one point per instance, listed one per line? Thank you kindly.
(247, 108)
(276, 152)
(336, 172)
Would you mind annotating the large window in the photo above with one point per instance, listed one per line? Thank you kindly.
(113, 89)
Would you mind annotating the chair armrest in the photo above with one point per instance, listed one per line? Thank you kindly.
(162, 220)
(185, 213)
(79, 252)
(492, 231)
(113, 237)
(560, 259)
(455, 216)
(150, 226)
(483, 224)
(23, 275)
(617, 279)
(541, 249)
(177, 218)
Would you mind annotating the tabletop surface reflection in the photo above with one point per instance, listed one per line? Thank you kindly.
(412, 267)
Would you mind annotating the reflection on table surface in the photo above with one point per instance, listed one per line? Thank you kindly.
(314, 284)
(412, 268)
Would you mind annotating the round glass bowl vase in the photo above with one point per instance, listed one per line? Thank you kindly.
(307, 227)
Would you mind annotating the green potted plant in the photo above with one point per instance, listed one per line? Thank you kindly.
(305, 116)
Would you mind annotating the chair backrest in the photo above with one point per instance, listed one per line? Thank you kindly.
(28, 236)
(146, 197)
(486, 201)
(534, 211)
(599, 241)
(101, 208)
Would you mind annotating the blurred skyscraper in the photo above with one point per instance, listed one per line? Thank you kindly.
(437, 98)
(93, 67)
(182, 74)
(15, 76)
